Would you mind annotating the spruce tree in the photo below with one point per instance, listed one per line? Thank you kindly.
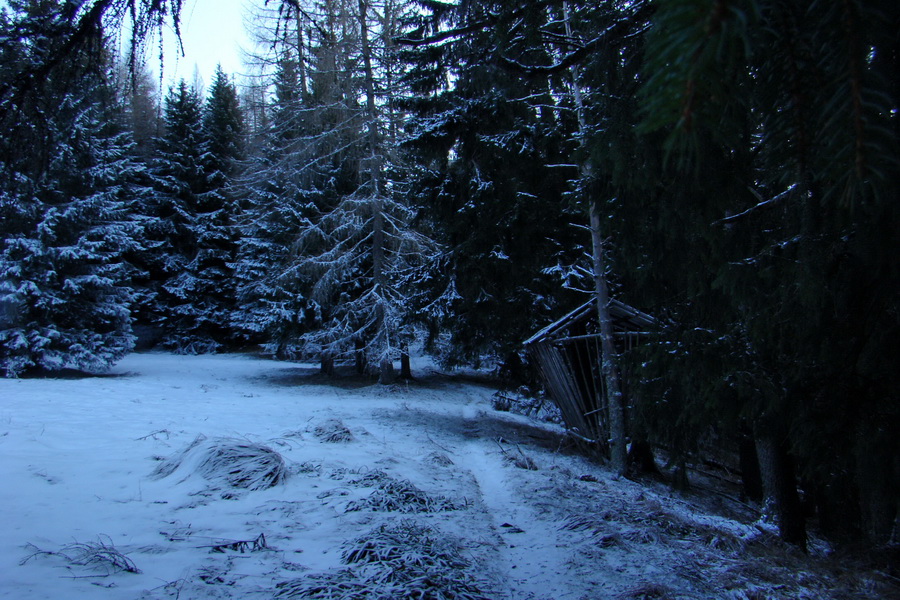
(492, 159)
(64, 293)
(799, 272)
(189, 232)
(224, 124)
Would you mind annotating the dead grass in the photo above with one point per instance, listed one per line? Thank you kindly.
(257, 544)
(400, 495)
(333, 431)
(228, 463)
(647, 591)
(101, 556)
(440, 459)
(401, 560)
(518, 458)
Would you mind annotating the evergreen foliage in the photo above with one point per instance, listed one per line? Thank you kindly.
(331, 226)
(192, 241)
(493, 163)
(747, 194)
(64, 293)
(272, 296)
(800, 122)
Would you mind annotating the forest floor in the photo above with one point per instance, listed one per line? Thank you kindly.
(120, 487)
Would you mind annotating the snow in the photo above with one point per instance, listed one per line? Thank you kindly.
(78, 456)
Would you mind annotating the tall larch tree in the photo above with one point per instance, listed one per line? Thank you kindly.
(272, 307)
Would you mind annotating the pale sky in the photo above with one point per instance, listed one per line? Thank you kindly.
(212, 32)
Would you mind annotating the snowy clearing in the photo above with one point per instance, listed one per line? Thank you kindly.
(236, 477)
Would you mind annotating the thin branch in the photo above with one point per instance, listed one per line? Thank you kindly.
(763, 203)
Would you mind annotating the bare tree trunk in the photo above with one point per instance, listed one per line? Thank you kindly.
(617, 430)
(617, 427)
(360, 356)
(876, 473)
(751, 480)
(405, 367)
(382, 327)
(327, 363)
(780, 488)
(301, 60)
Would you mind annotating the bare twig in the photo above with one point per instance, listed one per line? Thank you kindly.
(242, 546)
(153, 435)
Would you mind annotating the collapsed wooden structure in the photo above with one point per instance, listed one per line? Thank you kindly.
(567, 353)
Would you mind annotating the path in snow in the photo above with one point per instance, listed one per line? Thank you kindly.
(530, 559)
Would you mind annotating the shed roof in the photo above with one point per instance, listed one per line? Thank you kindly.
(626, 319)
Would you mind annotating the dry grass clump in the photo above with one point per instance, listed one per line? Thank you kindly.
(371, 479)
(589, 523)
(654, 523)
(328, 586)
(309, 468)
(257, 544)
(393, 495)
(605, 534)
(227, 462)
(404, 545)
(519, 459)
(100, 556)
(647, 591)
(440, 459)
(333, 431)
(403, 560)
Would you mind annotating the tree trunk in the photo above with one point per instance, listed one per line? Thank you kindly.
(386, 373)
(617, 430)
(327, 363)
(613, 388)
(751, 481)
(780, 488)
(360, 356)
(405, 367)
(382, 326)
(640, 457)
(301, 59)
(876, 477)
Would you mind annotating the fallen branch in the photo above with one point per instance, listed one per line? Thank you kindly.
(154, 434)
(242, 546)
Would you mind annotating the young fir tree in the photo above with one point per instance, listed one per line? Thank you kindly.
(64, 293)
(223, 126)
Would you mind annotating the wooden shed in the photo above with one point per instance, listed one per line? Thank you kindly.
(567, 353)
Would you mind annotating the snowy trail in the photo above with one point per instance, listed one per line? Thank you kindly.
(528, 545)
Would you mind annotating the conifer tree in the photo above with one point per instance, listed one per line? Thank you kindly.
(354, 253)
(272, 306)
(190, 231)
(64, 226)
(224, 124)
(803, 238)
(493, 162)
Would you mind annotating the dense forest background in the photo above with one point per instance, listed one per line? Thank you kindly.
(459, 174)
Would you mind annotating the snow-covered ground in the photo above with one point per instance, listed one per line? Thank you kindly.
(391, 492)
